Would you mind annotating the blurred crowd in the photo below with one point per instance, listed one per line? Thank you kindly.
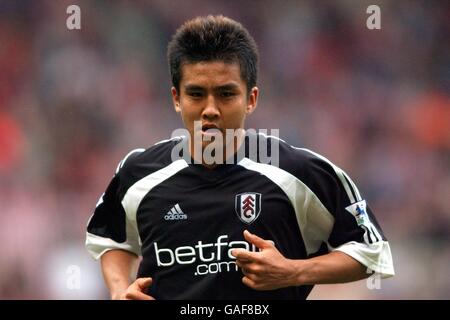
(74, 102)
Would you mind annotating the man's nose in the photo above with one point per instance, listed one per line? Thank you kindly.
(211, 109)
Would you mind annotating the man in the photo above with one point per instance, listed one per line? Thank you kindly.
(226, 225)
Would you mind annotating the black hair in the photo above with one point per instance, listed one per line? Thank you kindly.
(213, 38)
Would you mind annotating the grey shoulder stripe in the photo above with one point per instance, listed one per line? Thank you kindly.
(349, 186)
(167, 140)
(314, 220)
(138, 190)
(353, 187)
(348, 182)
(271, 136)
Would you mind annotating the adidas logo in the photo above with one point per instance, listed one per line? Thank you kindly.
(175, 213)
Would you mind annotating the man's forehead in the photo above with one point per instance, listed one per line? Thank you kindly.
(218, 64)
(217, 72)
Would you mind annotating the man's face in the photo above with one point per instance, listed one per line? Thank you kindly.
(215, 94)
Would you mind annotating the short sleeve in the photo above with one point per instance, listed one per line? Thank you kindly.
(354, 228)
(109, 228)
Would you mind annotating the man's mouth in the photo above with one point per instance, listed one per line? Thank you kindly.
(210, 129)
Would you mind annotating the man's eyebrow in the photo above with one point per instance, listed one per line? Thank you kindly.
(193, 87)
(228, 86)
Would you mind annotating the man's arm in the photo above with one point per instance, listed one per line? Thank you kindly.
(269, 269)
(119, 268)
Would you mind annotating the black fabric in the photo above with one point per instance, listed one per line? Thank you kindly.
(188, 258)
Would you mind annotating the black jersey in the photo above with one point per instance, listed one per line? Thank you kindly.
(184, 219)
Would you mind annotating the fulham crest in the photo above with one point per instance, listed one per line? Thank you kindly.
(248, 206)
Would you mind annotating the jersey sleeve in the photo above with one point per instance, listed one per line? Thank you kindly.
(109, 227)
(353, 229)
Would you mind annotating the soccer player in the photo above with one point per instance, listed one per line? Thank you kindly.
(194, 223)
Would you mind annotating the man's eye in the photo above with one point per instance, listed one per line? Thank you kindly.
(195, 94)
(227, 94)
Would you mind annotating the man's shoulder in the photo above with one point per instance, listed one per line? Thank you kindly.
(324, 178)
(156, 156)
(303, 163)
(292, 157)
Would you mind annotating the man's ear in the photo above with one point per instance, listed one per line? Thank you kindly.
(252, 100)
(175, 99)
